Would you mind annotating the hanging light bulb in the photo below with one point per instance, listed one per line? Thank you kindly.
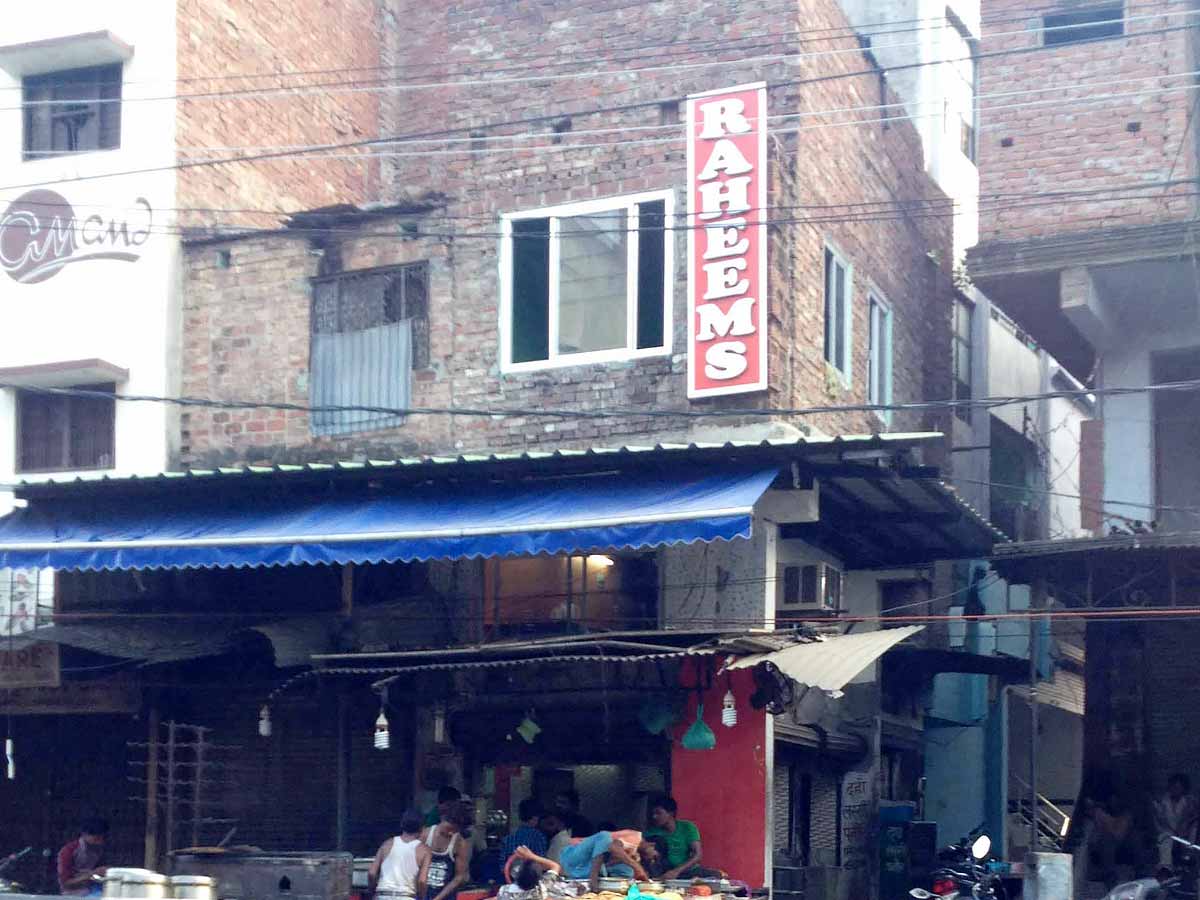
(264, 721)
(383, 737)
(11, 761)
(439, 724)
(729, 710)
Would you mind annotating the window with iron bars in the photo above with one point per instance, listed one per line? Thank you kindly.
(370, 331)
(74, 111)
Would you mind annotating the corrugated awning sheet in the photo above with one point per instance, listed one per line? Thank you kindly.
(831, 664)
(441, 521)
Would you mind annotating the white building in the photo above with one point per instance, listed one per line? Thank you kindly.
(95, 122)
(87, 296)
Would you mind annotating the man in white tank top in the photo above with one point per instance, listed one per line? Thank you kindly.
(401, 867)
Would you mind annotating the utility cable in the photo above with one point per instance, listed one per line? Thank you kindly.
(367, 142)
(687, 45)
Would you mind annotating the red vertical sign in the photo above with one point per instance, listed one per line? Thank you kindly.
(727, 241)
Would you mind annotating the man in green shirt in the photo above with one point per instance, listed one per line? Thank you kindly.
(447, 798)
(681, 837)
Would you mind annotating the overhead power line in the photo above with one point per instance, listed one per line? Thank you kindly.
(682, 44)
(619, 412)
(866, 211)
(493, 82)
(999, 200)
(369, 142)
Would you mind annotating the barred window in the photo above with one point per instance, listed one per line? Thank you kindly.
(74, 111)
(370, 330)
(62, 432)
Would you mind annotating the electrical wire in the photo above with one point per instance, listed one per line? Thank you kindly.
(901, 212)
(615, 412)
(259, 157)
(563, 146)
(331, 88)
(1010, 199)
(690, 44)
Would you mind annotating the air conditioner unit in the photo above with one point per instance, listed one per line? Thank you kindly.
(815, 586)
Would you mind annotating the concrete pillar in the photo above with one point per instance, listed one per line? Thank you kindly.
(1049, 876)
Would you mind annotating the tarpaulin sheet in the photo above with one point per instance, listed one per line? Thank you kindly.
(591, 513)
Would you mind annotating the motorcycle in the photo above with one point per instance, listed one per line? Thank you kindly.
(11, 887)
(1180, 884)
(965, 876)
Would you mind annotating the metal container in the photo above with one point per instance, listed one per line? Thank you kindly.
(193, 887)
(114, 881)
(145, 885)
(271, 876)
(362, 866)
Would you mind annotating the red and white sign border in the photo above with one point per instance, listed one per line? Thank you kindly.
(693, 217)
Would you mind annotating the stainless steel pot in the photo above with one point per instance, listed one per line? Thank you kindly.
(145, 886)
(193, 887)
(114, 880)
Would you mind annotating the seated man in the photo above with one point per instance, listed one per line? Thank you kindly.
(537, 878)
(556, 833)
(622, 854)
(682, 838)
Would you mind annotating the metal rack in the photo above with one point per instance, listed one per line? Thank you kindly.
(183, 773)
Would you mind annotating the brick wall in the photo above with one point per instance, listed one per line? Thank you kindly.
(1071, 142)
(221, 45)
(258, 308)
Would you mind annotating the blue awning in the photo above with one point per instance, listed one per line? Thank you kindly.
(446, 520)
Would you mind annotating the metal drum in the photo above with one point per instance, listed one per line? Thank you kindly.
(114, 880)
(193, 887)
(145, 886)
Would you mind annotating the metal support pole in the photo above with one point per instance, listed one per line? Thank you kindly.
(343, 771)
(197, 781)
(1037, 602)
(150, 857)
(170, 841)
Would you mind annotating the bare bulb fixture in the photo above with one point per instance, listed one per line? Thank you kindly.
(729, 715)
(383, 737)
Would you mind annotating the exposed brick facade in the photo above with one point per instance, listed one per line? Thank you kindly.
(835, 179)
(251, 38)
(1044, 130)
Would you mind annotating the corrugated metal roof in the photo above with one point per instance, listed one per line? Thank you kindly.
(831, 664)
(818, 443)
(1066, 691)
(1129, 542)
(878, 509)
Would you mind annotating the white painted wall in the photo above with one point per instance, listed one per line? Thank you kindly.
(899, 40)
(1129, 441)
(125, 313)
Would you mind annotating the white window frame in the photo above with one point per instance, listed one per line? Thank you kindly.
(555, 214)
(847, 313)
(879, 368)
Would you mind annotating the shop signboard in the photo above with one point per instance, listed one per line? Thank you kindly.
(108, 697)
(726, 227)
(26, 604)
(858, 818)
(41, 233)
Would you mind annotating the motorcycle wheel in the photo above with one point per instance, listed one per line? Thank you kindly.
(993, 890)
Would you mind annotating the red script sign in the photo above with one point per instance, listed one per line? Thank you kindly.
(727, 241)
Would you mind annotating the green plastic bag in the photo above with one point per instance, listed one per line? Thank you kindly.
(699, 736)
